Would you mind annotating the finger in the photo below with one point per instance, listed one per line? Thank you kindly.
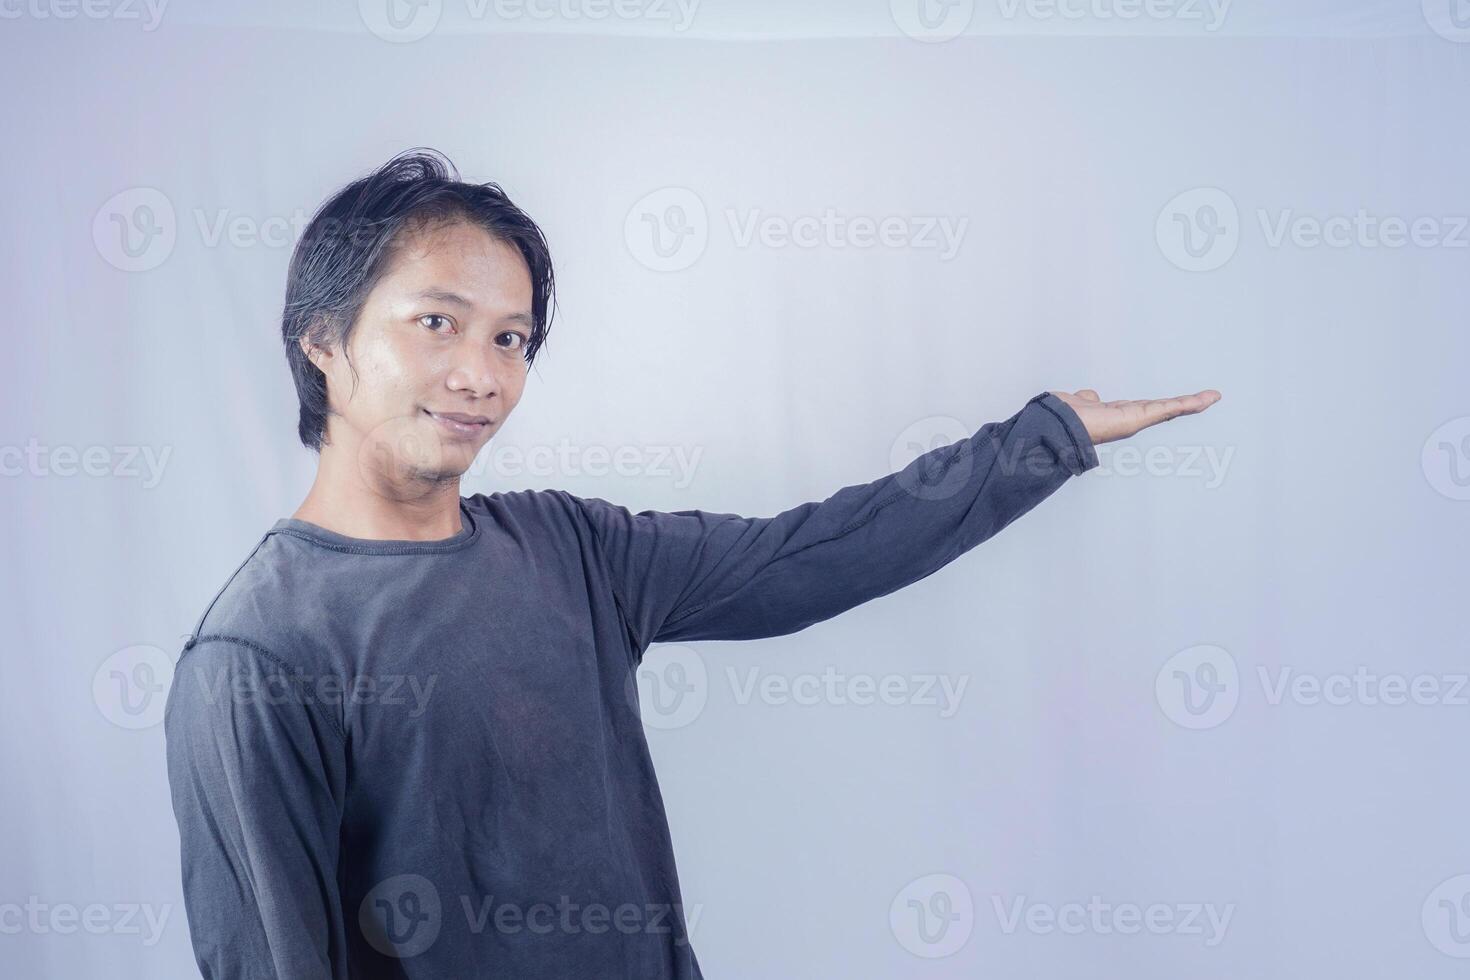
(1197, 402)
(1157, 410)
(1087, 393)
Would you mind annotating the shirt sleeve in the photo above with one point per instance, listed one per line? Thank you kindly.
(257, 776)
(696, 575)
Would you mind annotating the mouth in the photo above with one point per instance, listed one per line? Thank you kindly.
(460, 425)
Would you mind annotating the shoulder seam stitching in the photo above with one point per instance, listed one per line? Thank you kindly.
(194, 636)
(262, 651)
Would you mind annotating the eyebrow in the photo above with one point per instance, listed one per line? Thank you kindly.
(443, 296)
(525, 319)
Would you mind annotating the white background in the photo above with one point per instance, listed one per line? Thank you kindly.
(1328, 539)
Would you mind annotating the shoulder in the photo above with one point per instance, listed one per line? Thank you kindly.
(260, 588)
(254, 649)
(263, 612)
(544, 511)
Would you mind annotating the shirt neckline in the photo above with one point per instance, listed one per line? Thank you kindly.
(469, 530)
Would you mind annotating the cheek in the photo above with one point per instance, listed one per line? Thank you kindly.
(392, 359)
(387, 374)
(513, 382)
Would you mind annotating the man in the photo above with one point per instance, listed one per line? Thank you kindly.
(404, 738)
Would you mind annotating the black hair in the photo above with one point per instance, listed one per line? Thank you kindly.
(350, 244)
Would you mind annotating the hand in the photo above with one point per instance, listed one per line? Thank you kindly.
(1109, 421)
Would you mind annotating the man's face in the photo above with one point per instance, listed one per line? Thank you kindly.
(442, 334)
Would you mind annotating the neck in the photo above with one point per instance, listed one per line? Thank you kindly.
(351, 498)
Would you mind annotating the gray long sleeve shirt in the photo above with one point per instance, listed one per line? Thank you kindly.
(425, 759)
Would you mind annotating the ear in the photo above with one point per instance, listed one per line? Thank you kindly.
(318, 356)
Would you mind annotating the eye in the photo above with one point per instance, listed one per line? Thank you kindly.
(434, 316)
(518, 343)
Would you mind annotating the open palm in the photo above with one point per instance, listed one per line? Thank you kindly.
(1109, 421)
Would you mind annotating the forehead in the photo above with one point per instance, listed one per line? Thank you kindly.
(460, 255)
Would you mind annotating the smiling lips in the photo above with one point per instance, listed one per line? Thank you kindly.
(460, 424)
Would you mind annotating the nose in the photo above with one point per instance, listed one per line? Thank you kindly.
(476, 371)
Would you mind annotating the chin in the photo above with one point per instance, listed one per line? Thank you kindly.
(404, 451)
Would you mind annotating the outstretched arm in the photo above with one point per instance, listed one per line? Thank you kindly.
(696, 575)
